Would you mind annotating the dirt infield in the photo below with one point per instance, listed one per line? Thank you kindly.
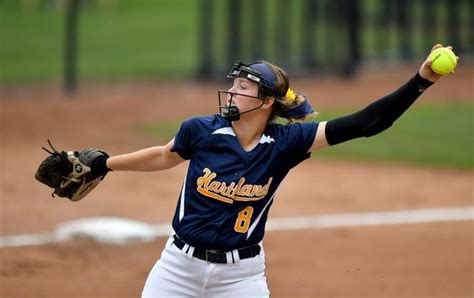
(413, 260)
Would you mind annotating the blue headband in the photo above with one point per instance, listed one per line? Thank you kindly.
(269, 78)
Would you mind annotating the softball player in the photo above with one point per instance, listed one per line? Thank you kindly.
(238, 158)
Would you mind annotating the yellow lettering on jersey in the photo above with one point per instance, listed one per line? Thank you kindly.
(214, 196)
(220, 191)
(261, 192)
(228, 192)
(214, 186)
(245, 190)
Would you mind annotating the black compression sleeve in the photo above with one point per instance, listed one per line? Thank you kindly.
(377, 116)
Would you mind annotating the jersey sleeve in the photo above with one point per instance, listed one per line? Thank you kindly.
(183, 141)
(298, 140)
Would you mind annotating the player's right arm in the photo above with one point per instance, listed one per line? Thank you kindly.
(150, 159)
(379, 115)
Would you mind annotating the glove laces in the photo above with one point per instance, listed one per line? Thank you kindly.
(55, 152)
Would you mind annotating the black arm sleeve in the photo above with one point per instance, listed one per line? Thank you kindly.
(377, 116)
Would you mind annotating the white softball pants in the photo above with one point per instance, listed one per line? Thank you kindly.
(177, 274)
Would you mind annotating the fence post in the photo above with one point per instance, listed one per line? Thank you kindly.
(353, 22)
(403, 29)
(469, 46)
(70, 47)
(283, 36)
(258, 31)
(307, 34)
(428, 21)
(233, 27)
(331, 23)
(384, 22)
(205, 30)
(453, 24)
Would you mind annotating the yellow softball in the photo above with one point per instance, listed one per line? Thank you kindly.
(444, 61)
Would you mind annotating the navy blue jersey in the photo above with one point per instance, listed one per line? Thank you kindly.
(227, 191)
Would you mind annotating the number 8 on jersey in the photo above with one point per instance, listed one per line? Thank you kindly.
(243, 220)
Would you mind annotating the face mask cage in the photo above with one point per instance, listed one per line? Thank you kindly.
(241, 70)
(229, 111)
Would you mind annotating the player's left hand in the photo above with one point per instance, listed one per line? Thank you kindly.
(70, 173)
(425, 70)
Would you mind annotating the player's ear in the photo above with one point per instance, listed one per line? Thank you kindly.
(268, 102)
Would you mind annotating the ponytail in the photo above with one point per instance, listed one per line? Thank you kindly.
(294, 107)
(291, 105)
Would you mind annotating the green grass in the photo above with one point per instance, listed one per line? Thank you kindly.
(160, 38)
(130, 39)
(30, 48)
(435, 135)
(438, 135)
(157, 40)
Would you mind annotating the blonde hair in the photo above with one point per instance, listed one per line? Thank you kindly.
(287, 98)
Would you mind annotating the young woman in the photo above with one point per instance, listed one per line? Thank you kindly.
(238, 158)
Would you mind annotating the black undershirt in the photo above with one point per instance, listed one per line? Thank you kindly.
(377, 116)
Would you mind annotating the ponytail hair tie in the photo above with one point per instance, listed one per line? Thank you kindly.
(301, 110)
(290, 94)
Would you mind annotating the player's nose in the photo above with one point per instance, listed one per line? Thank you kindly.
(229, 97)
(231, 89)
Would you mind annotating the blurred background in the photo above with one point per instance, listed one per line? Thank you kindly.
(89, 39)
(66, 43)
(122, 75)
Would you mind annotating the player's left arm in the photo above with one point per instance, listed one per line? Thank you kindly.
(155, 158)
(379, 115)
